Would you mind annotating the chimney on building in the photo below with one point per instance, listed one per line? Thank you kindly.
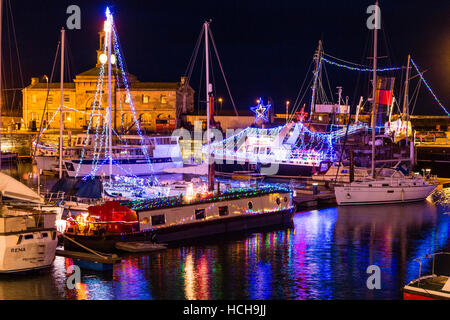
(34, 81)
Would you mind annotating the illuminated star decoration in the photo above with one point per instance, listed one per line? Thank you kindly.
(261, 110)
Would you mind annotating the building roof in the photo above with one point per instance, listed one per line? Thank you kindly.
(155, 85)
(53, 85)
(94, 72)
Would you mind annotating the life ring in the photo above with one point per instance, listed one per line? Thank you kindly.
(348, 196)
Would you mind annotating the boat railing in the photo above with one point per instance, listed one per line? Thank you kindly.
(429, 256)
(53, 197)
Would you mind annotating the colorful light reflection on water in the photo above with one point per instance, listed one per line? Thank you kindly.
(323, 256)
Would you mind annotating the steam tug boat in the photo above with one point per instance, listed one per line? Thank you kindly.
(435, 286)
(173, 219)
(431, 287)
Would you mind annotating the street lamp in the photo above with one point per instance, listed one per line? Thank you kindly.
(220, 101)
(287, 109)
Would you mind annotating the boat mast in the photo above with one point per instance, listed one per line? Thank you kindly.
(405, 113)
(208, 111)
(108, 30)
(61, 122)
(374, 89)
(318, 59)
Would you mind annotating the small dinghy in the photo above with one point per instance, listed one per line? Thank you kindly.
(140, 246)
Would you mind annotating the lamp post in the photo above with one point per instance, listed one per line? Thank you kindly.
(220, 101)
(287, 110)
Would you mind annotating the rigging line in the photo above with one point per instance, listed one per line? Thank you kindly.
(223, 73)
(15, 39)
(345, 61)
(416, 94)
(303, 83)
(10, 64)
(295, 109)
(192, 66)
(429, 88)
(200, 84)
(70, 59)
(328, 81)
(41, 131)
(122, 66)
(193, 58)
(301, 99)
(366, 69)
(212, 74)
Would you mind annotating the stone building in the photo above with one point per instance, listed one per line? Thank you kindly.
(157, 105)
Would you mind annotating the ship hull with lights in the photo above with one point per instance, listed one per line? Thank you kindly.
(275, 169)
(162, 152)
(178, 220)
(288, 151)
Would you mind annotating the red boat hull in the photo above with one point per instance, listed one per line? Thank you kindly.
(412, 296)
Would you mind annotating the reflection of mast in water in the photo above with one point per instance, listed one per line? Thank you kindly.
(385, 225)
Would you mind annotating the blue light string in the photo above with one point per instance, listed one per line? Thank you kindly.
(125, 82)
(98, 88)
(429, 88)
(367, 69)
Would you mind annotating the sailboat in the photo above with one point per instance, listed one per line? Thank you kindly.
(386, 185)
(190, 215)
(27, 226)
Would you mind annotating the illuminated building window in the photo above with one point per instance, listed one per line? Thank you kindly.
(250, 205)
(50, 99)
(66, 98)
(145, 98)
(200, 214)
(163, 98)
(146, 118)
(33, 98)
(158, 220)
(127, 99)
(67, 116)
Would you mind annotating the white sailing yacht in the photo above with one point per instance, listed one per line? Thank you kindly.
(27, 227)
(389, 185)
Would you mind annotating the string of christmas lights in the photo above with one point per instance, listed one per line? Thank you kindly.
(367, 69)
(429, 88)
(119, 59)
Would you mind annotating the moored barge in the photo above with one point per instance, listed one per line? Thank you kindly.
(174, 219)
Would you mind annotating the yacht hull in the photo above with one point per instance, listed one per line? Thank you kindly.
(138, 167)
(275, 170)
(360, 195)
(30, 254)
(47, 163)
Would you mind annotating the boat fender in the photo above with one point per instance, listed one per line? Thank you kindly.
(348, 196)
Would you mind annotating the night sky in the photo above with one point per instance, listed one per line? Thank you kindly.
(265, 46)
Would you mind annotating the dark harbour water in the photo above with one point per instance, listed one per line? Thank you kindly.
(324, 255)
